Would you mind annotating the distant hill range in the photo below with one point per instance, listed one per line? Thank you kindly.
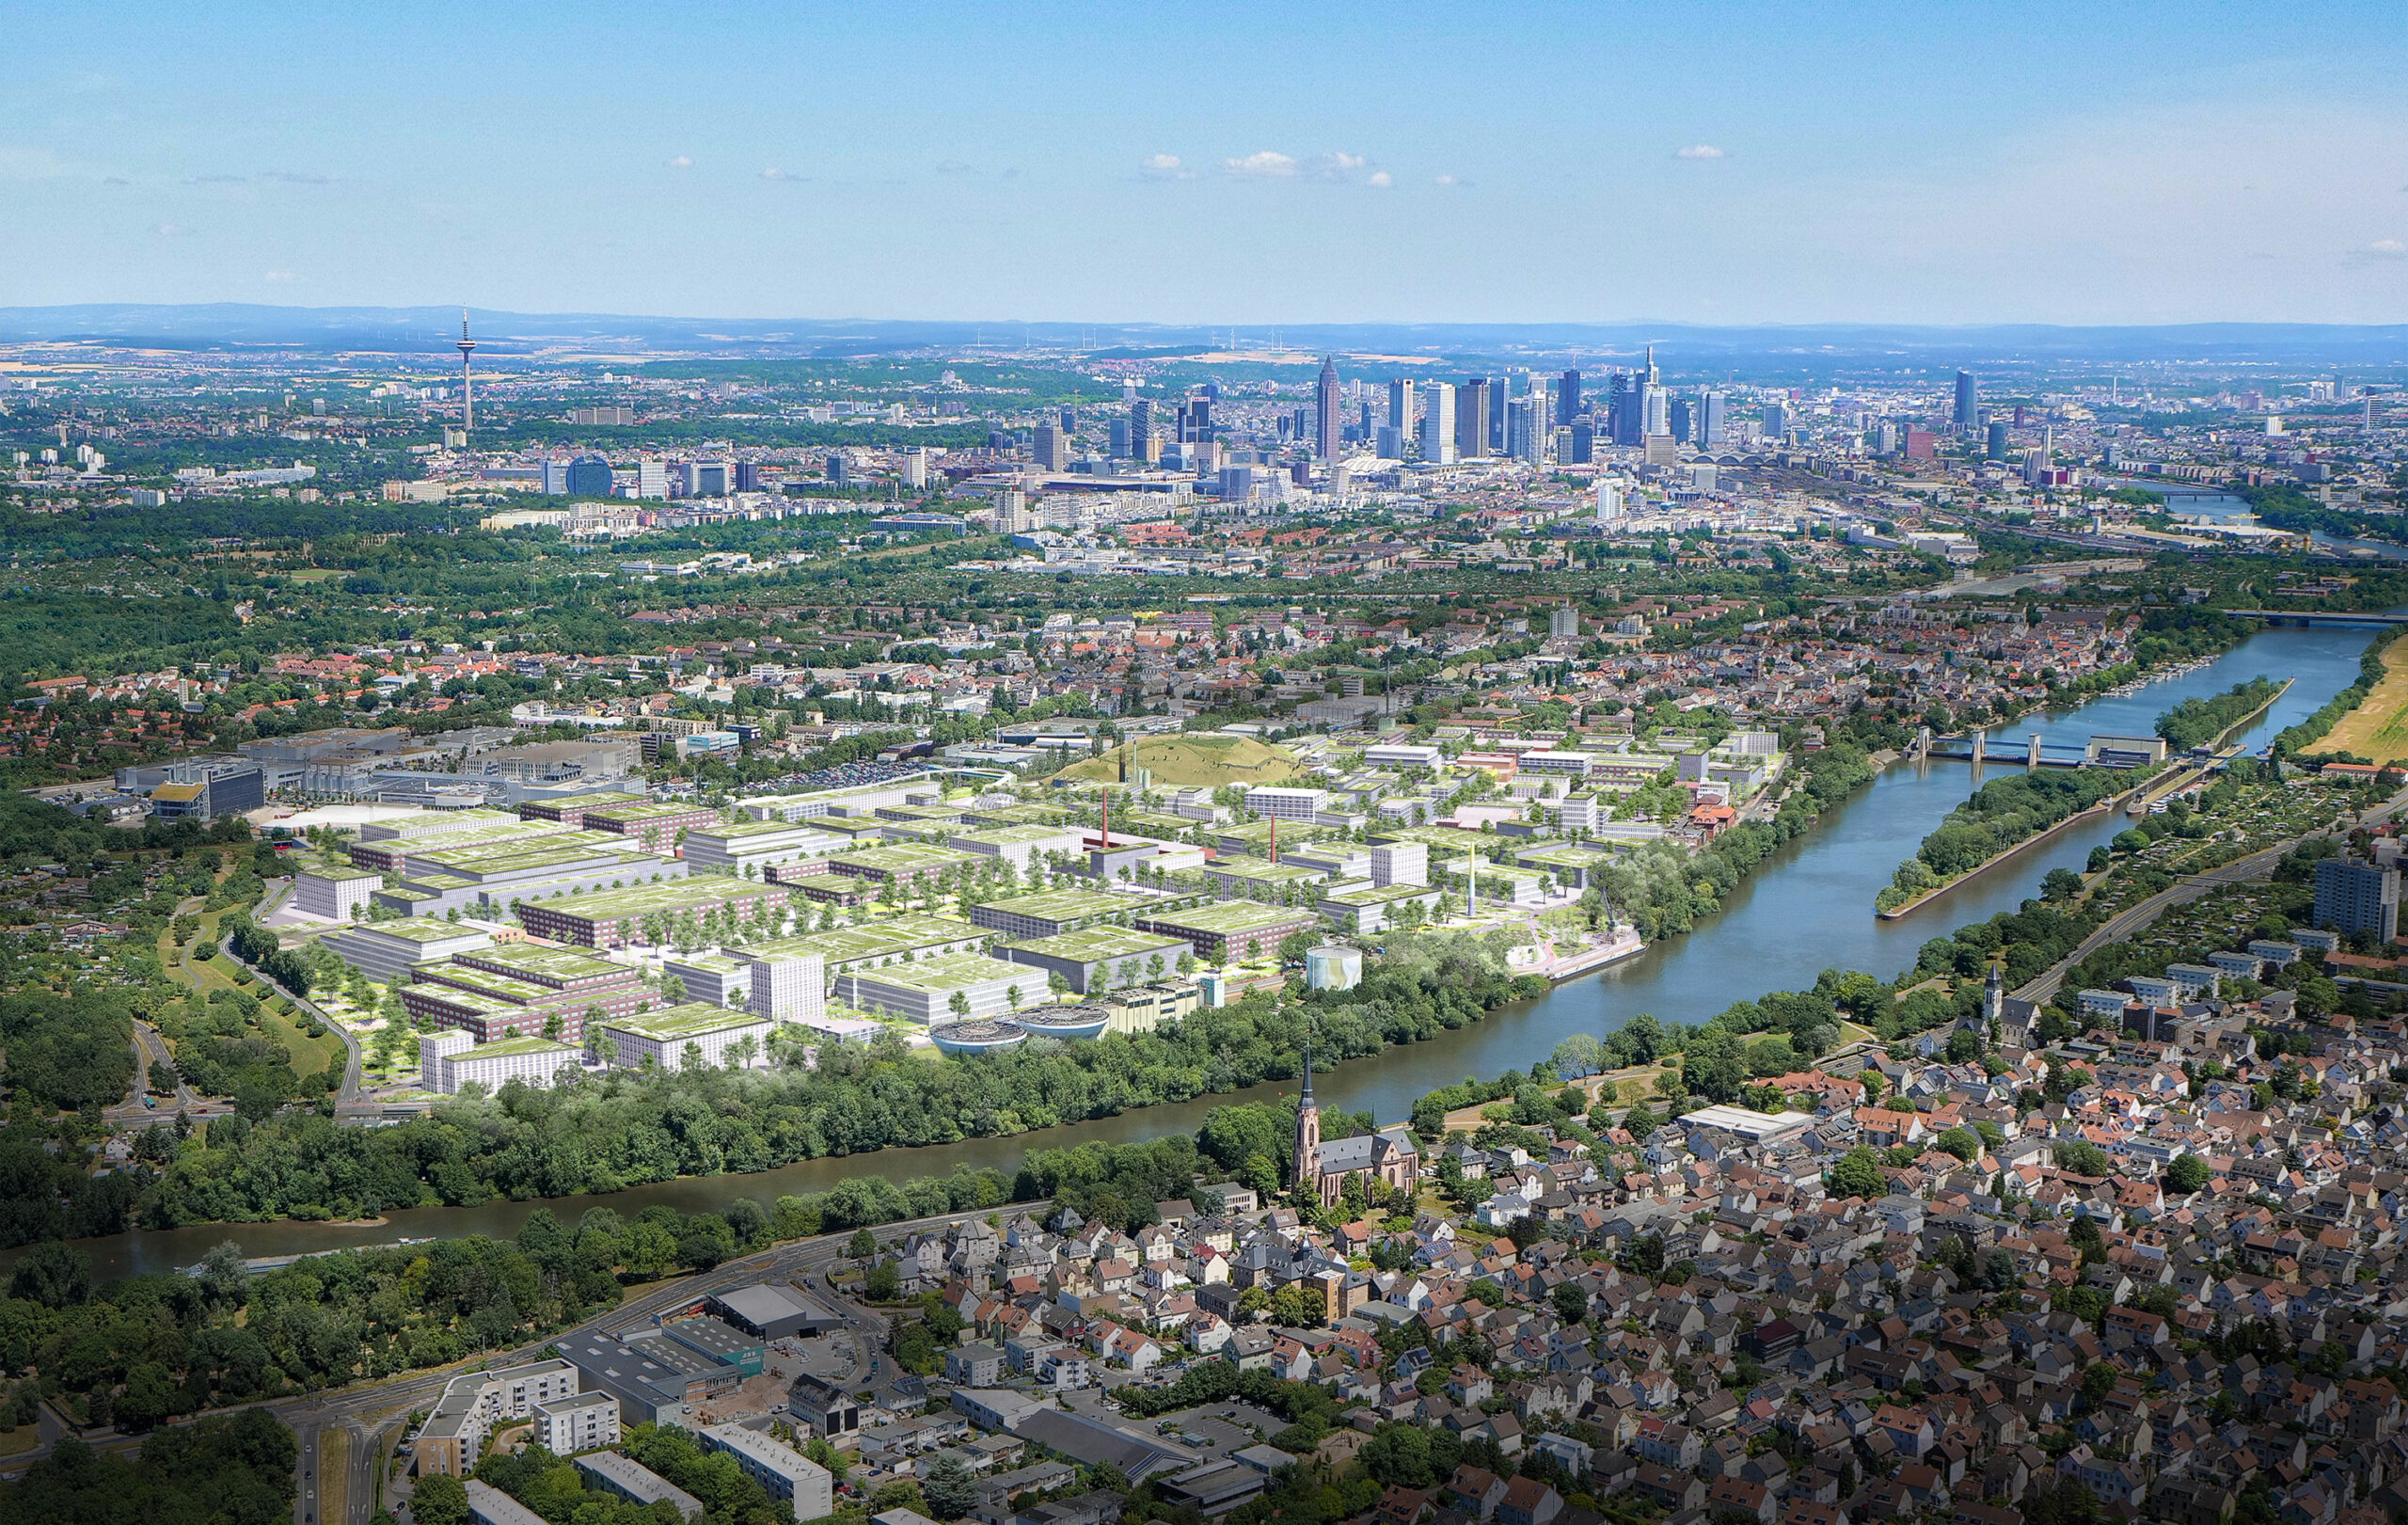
(1683, 348)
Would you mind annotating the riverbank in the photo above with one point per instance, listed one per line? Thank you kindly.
(1797, 913)
(2038, 838)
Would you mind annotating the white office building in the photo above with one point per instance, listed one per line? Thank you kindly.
(387, 950)
(760, 846)
(1399, 862)
(451, 1059)
(334, 892)
(659, 1040)
(786, 986)
(1281, 803)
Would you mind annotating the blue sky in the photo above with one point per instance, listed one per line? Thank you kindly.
(1226, 164)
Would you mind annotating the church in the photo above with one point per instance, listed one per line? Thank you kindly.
(1386, 1160)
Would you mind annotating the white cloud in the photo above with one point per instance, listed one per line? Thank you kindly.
(679, 161)
(1446, 179)
(1164, 166)
(774, 172)
(1699, 150)
(1381, 178)
(297, 177)
(1265, 164)
(2388, 248)
(169, 229)
(278, 277)
(1338, 166)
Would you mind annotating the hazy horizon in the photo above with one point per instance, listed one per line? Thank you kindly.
(1406, 163)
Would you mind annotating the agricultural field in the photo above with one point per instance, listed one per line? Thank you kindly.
(2378, 729)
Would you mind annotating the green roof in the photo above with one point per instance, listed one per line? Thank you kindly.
(905, 858)
(1376, 893)
(1231, 916)
(1065, 905)
(559, 963)
(949, 972)
(1263, 871)
(672, 895)
(508, 1047)
(691, 1019)
(663, 810)
(1098, 944)
(876, 939)
(417, 929)
(1007, 836)
(341, 872)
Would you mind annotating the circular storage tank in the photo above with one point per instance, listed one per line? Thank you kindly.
(977, 1037)
(1075, 1022)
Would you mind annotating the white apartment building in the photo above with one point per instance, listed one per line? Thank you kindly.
(586, 1422)
(787, 1474)
(454, 1434)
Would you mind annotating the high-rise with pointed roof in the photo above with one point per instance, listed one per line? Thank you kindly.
(1325, 409)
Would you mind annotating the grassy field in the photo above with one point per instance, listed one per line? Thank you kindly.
(310, 1054)
(334, 1474)
(1194, 761)
(2378, 727)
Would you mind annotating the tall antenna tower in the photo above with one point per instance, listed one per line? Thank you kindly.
(467, 398)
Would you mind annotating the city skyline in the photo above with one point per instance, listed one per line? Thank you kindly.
(2037, 164)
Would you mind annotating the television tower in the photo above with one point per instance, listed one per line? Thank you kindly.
(467, 398)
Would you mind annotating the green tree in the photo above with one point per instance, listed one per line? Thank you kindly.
(1859, 1174)
(2186, 1174)
(441, 1499)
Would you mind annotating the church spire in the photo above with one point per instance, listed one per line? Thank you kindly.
(1307, 1099)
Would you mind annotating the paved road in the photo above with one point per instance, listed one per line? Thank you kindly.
(371, 1408)
(2137, 916)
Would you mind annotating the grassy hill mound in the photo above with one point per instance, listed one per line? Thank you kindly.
(1201, 760)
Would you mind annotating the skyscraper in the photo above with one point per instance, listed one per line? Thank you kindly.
(1438, 425)
(1403, 416)
(1584, 442)
(588, 476)
(1141, 429)
(1684, 425)
(1712, 431)
(1567, 398)
(1526, 429)
(1471, 419)
(1053, 446)
(1656, 411)
(1501, 391)
(1326, 424)
(1996, 448)
(1967, 401)
(1069, 422)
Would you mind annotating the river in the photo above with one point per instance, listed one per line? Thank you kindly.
(1808, 908)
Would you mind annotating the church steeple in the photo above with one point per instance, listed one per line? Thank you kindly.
(1307, 1176)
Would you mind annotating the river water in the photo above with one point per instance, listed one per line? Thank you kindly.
(1806, 909)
